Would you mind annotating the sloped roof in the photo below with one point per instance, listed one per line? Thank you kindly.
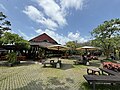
(41, 44)
(43, 38)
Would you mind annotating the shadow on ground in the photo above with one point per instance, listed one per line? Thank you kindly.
(55, 81)
(52, 84)
(66, 66)
(33, 85)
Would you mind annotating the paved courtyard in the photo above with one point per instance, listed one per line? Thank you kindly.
(29, 76)
(33, 76)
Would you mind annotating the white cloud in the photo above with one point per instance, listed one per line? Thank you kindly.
(77, 4)
(3, 7)
(39, 31)
(49, 23)
(52, 13)
(76, 36)
(33, 13)
(37, 16)
(53, 10)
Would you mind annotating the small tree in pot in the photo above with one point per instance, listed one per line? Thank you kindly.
(12, 58)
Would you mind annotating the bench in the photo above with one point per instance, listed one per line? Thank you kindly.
(78, 62)
(45, 63)
(51, 62)
(109, 72)
(57, 64)
(101, 79)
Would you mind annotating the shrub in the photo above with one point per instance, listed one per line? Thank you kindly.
(12, 57)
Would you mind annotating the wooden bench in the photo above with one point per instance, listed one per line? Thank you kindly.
(45, 63)
(51, 62)
(93, 79)
(109, 72)
(78, 62)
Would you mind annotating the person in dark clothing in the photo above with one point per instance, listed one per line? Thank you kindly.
(112, 56)
(84, 59)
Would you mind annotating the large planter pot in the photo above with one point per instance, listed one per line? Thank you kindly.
(10, 64)
(58, 65)
(87, 63)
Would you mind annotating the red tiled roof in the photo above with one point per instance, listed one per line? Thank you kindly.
(43, 38)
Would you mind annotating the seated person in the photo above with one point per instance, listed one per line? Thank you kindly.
(85, 60)
(89, 56)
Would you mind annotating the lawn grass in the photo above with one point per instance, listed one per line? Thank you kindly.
(35, 77)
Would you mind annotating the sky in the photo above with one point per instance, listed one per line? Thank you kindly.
(63, 20)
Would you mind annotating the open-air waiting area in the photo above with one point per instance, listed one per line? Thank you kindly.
(59, 45)
(51, 66)
(46, 75)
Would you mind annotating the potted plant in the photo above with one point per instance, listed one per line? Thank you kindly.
(12, 58)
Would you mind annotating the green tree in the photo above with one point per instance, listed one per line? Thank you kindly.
(105, 35)
(116, 45)
(4, 24)
(20, 43)
(12, 57)
(73, 45)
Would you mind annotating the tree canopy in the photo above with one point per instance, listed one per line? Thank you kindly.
(71, 44)
(106, 34)
(4, 24)
(9, 38)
